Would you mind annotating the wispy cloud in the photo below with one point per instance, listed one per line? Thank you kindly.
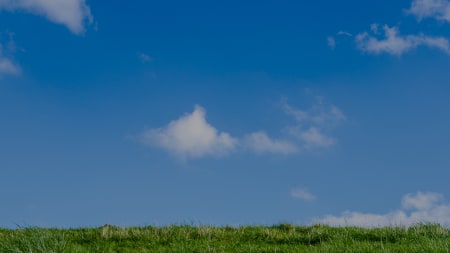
(311, 137)
(190, 136)
(310, 130)
(144, 57)
(260, 143)
(344, 33)
(319, 114)
(74, 14)
(303, 194)
(396, 44)
(416, 208)
(375, 28)
(312, 125)
(437, 9)
(331, 42)
(7, 65)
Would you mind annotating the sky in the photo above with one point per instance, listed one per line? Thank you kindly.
(224, 113)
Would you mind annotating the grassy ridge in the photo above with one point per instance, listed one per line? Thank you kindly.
(280, 238)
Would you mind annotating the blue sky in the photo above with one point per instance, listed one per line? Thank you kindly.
(155, 113)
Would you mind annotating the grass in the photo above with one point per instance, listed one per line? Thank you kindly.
(279, 238)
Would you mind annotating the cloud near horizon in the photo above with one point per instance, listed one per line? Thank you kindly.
(416, 208)
(395, 44)
(73, 14)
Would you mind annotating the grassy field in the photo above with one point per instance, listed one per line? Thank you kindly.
(279, 238)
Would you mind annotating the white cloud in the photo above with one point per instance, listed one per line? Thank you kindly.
(191, 136)
(438, 9)
(416, 208)
(331, 42)
(396, 44)
(300, 193)
(71, 13)
(259, 142)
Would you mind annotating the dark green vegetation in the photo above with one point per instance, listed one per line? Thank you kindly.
(280, 238)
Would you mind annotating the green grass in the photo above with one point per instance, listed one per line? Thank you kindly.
(279, 238)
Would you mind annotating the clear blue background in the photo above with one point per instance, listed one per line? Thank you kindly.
(67, 158)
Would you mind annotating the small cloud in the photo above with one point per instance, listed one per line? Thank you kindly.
(396, 44)
(300, 193)
(297, 114)
(312, 137)
(319, 114)
(144, 58)
(344, 33)
(437, 9)
(416, 208)
(331, 42)
(335, 114)
(7, 65)
(74, 14)
(190, 136)
(260, 143)
(311, 125)
(374, 28)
